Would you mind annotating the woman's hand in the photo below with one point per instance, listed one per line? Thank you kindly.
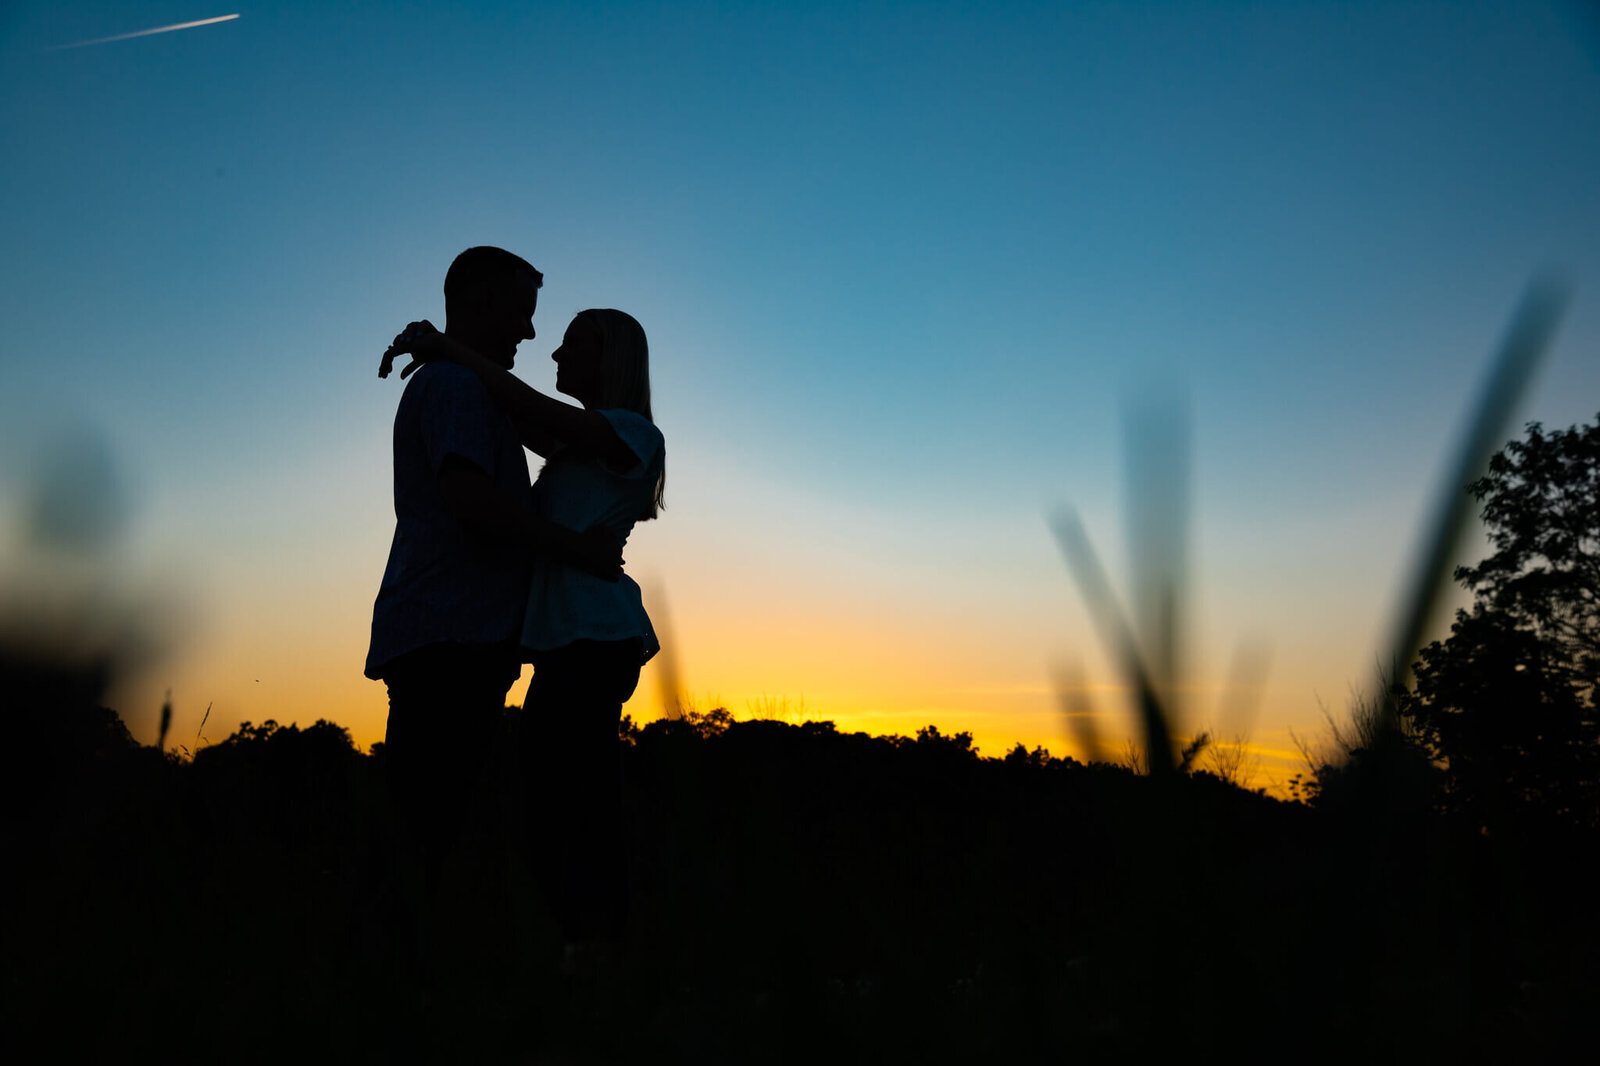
(421, 341)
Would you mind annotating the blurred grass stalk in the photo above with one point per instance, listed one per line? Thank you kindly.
(1119, 637)
(669, 676)
(1515, 364)
(1148, 650)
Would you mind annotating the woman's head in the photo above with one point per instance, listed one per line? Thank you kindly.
(604, 361)
(604, 364)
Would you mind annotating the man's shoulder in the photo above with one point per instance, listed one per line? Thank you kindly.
(443, 376)
(443, 383)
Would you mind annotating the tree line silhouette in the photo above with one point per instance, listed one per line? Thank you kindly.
(803, 892)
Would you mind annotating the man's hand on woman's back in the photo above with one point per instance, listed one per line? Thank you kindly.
(597, 551)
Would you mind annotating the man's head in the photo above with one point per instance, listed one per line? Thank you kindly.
(490, 296)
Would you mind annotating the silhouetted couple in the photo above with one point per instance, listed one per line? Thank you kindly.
(486, 573)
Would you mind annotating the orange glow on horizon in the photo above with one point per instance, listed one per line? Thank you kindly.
(301, 690)
(860, 665)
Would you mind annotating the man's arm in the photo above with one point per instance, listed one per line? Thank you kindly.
(543, 422)
(491, 515)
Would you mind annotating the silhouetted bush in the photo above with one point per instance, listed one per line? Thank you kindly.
(1506, 704)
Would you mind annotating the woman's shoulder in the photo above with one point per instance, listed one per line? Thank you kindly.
(623, 416)
(636, 431)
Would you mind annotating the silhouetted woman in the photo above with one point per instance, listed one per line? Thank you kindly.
(586, 637)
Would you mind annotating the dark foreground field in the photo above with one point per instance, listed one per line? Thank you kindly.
(799, 895)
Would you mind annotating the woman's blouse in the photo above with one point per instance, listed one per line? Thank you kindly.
(578, 491)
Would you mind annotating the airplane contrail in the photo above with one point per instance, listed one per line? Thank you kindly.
(143, 33)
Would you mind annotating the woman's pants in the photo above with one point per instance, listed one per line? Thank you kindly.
(572, 759)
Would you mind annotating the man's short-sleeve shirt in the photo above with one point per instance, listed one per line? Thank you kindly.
(442, 585)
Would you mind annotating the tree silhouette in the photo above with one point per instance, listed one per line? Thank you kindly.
(1506, 704)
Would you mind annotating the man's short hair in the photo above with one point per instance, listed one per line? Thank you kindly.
(481, 268)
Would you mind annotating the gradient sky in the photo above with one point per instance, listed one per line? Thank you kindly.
(903, 268)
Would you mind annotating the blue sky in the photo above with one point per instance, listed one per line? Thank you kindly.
(901, 266)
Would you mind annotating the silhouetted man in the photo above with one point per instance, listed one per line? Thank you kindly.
(450, 609)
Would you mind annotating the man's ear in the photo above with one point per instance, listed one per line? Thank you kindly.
(480, 299)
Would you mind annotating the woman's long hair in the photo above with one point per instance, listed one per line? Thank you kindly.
(625, 376)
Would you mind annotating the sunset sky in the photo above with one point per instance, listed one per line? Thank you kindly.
(904, 269)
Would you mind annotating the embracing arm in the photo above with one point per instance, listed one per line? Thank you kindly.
(543, 422)
(492, 516)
